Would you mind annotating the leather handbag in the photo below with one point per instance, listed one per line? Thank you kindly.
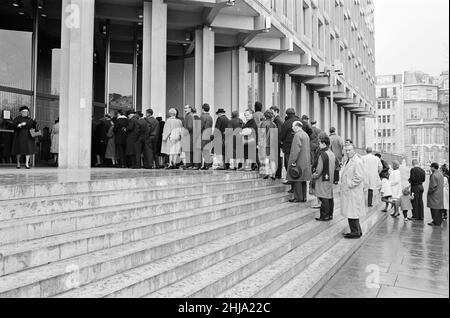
(35, 133)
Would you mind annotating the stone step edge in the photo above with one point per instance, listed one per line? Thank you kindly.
(118, 191)
(247, 258)
(205, 250)
(22, 278)
(250, 175)
(327, 264)
(176, 199)
(50, 242)
(61, 216)
(321, 243)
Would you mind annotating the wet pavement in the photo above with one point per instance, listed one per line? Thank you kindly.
(398, 260)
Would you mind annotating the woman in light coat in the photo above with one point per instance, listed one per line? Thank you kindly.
(352, 191)
(171, 138)
(395, 180)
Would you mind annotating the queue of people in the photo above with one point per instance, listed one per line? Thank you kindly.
(256, 140)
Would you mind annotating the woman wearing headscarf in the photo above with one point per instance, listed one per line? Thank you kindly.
(23, 143)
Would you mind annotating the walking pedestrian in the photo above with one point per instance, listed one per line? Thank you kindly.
(372, 168)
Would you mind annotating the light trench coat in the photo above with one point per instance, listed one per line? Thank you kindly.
(352, 189)
(372, 168)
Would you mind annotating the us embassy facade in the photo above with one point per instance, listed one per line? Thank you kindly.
(77, 59)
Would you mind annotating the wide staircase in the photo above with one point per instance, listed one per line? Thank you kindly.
(167, 234)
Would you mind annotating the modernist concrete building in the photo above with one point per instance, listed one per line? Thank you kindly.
(77, 59)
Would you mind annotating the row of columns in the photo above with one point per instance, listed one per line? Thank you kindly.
(77, 32)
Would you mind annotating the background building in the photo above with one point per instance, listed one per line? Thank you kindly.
(385, 133)
(77, 59)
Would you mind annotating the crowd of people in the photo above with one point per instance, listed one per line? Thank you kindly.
(256, 140)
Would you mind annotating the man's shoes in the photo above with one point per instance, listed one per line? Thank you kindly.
(323, 220)
(303, 201)
(351, 236)
(370, 206)
(433, 224)
(316, 207)
(384, 210)
(294, 201)
(266, 177)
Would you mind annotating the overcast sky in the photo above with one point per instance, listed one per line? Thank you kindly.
(411, 35)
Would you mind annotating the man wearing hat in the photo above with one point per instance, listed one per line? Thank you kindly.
(222, 123)
(299, 166)
(435, 196)
(188, 137)
(306, 127)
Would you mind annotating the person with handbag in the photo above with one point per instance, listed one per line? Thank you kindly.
(24, 136)
(324, 179)
(250, 140)
(299, 165)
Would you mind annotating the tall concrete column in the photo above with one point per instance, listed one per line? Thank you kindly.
(304, 104)
(326, 124)
(204, 67)
(334, 117)
(287, 92)
(342, 123)
(75, 103)
(154, 58)
(239, 80)
(349, 125)
(355, 129)
(268, 85)
(317, 110)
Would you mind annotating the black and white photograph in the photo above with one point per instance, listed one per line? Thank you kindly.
(226, 154)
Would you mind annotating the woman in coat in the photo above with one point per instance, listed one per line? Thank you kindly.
(120, 137)
(435, 195)
(111, 153)
(352, 191)
(250, 140)
(300, 157)
(395, 179)
(324, 179)
(23, 143)
(268, 156)
(54, 149)
(171, 138)
(236, 124)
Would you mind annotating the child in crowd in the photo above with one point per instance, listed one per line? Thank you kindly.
(405, 203)
(386, 193)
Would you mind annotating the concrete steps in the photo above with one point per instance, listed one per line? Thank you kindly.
(209, 234)
(37, 226)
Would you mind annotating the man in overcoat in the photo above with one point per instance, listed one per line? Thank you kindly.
(372, 168)
(352, 191)
(300, 157)
(435, 196)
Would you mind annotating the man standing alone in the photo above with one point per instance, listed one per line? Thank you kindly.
(435, 198)
(352, 192)
(416, 179)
